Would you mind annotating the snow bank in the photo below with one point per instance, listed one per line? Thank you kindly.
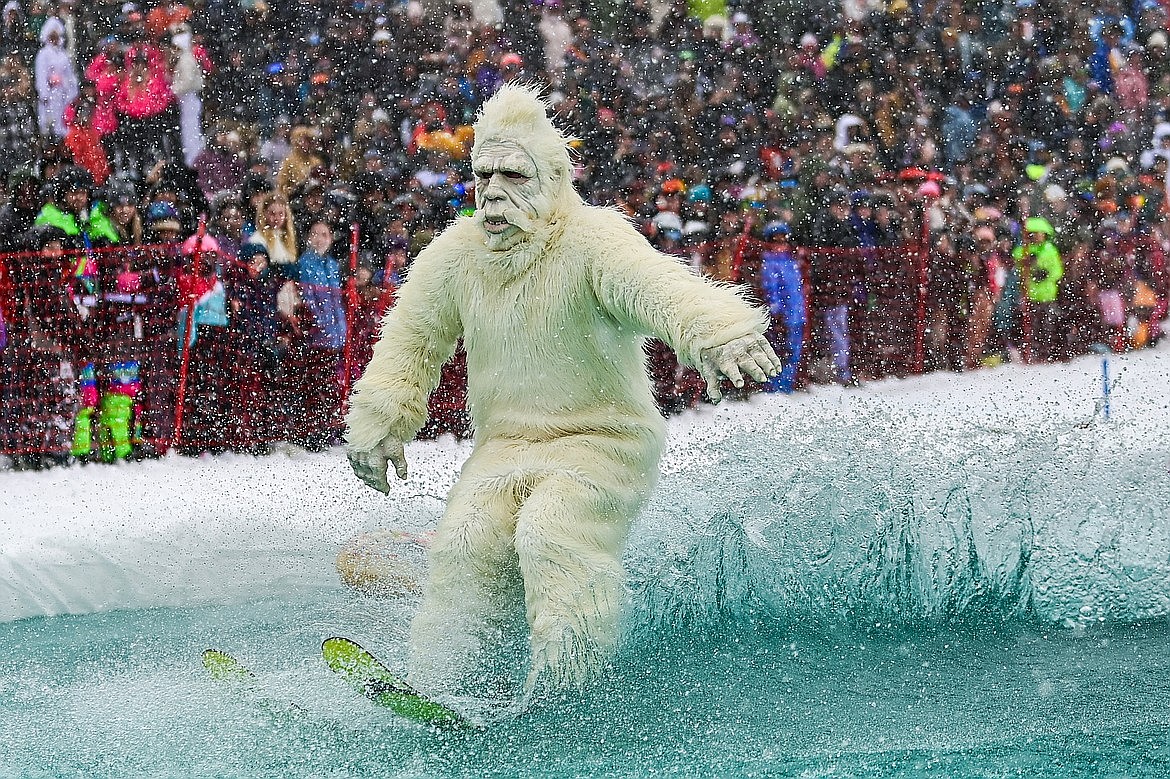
(805, 501)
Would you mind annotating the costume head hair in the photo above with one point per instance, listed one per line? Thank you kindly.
(513, 131)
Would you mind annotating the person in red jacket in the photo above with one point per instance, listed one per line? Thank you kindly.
(83, 139)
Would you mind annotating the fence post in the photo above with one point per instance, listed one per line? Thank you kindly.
(188, 332)
(923, 263)
(351, 302)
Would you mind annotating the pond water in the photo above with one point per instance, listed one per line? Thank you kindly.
(123, 694)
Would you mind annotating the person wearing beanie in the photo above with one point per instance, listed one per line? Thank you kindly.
(56, 79)
(251, 293)
(782, 282)
(1041, 269)
(203, 336)
(19, 213)
(73, 209)
(162, 222)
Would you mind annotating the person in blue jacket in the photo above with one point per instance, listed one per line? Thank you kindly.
(782, 283)
(313, 369)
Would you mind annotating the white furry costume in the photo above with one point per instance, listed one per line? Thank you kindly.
(568, 437)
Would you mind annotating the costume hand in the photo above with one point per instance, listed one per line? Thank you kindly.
(371, 466)
(751, 354)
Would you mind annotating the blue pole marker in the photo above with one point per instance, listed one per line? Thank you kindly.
(1105, 386)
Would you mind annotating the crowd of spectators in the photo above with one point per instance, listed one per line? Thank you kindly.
(995, 170)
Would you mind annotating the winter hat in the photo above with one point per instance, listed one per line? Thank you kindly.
(1035, 171)
(1116, 164)
(208, 244)
(250, 249)
(69, 179)
(1054, 193)
(699, 193)
(120, 192)
(52, 25)
(161, 215)
(1038, 224)
(21, 175)
(775, 230)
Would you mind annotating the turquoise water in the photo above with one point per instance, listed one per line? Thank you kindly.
(122, 694)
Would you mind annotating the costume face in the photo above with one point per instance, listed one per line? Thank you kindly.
(509, 198)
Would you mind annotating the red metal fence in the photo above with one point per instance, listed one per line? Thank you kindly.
(92, 363)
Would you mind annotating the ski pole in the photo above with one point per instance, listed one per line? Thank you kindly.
(1105, 389)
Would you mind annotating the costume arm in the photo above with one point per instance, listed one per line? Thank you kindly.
(418, 335)
(660, 296)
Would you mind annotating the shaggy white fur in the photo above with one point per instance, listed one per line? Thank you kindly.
(567, 435)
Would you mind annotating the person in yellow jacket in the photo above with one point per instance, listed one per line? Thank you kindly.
(1041, 269)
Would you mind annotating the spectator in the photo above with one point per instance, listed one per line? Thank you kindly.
(84, 141)
(782, 281)
(190, 65)
(18, 118)
(275, 230)
(56, 80)
(251, 292)
(300, 162)
(312, 368)
(122, 198)
(202, 320)
(218, 167)
(71, 209)
(1040, 269)
(834, 275)
(145, 132)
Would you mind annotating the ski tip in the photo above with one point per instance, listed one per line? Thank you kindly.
(221, 665)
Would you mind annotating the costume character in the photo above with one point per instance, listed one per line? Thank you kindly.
(553, 300)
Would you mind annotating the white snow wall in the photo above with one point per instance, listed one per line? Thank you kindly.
(929, 499)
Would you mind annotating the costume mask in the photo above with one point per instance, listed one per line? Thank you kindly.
(509, 199)
(522, 167)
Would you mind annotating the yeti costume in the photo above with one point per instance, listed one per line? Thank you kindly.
(553, 299)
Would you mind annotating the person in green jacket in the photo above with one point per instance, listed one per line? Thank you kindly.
(72, 211)
(1040, 269)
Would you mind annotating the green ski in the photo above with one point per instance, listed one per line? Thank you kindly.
(224, 667)
(366, 674)
(229, 671)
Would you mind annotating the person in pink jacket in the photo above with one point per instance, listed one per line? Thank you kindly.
(143, 103)
(106, 72)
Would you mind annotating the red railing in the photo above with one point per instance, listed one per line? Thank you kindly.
(262, 377)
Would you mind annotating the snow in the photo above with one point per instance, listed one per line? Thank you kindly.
(179, 531)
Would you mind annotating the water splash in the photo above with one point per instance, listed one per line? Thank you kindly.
(893, 518)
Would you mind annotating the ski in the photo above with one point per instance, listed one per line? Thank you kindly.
(230, 672)
(366, 674)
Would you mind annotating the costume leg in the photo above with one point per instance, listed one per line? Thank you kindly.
(569, 538)
(472, 572)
